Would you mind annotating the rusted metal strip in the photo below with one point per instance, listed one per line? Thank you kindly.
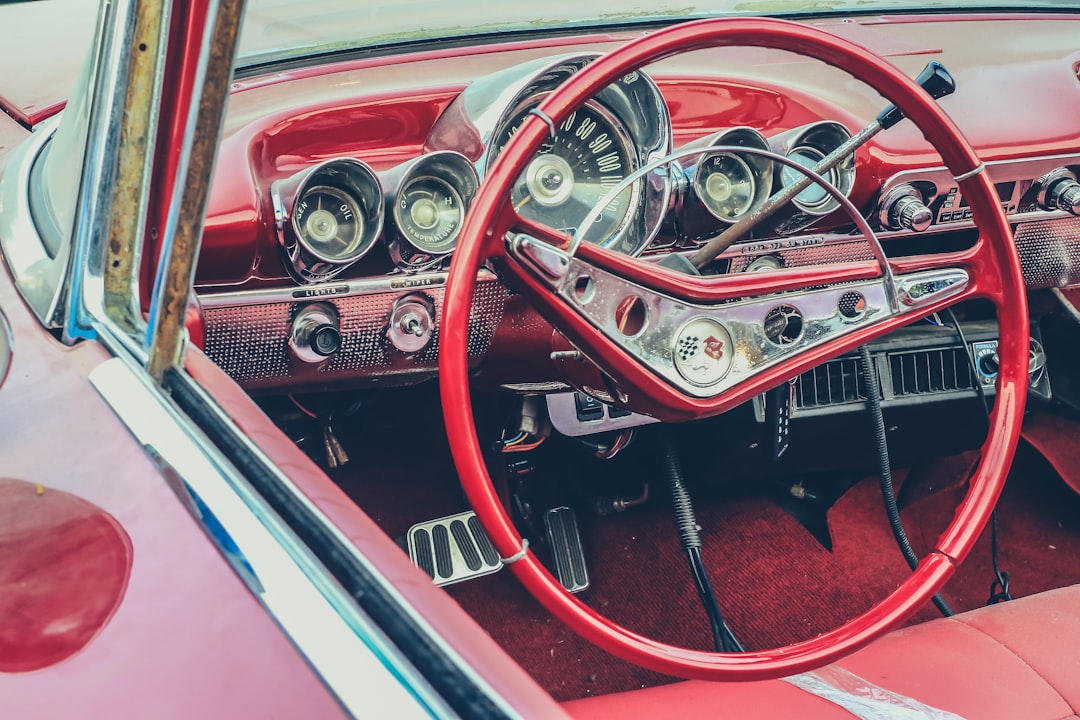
(134, 163)
(176, 269)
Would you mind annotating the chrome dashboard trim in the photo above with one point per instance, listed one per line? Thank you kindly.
(311, 608)
(342, 289)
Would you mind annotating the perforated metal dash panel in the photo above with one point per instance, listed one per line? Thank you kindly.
(1049, 252)
(250, 341)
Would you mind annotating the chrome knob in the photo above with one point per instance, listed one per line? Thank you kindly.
(902, 208)
(1059, 190)
(1065, 195)
(910, 213)
(412, 321)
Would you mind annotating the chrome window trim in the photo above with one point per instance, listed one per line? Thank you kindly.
(344, 647)
(90, 231)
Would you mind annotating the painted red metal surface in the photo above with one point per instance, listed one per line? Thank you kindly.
(183, 49)
(286, 121)
(456, 628)
(996, 276)
(188, 638)
(64, 563)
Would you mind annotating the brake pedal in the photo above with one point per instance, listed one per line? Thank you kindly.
(452, 549)
(564, 539)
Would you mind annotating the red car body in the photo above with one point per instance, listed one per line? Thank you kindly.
(130, 587)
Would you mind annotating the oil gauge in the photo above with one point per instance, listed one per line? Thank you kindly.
(327, 217)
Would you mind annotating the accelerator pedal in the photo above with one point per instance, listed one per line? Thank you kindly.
(452, 549)
(564, 539)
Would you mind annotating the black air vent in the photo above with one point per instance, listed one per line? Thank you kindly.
(835, 383)
(930, 371)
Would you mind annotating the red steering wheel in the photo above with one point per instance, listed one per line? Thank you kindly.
(493, 230)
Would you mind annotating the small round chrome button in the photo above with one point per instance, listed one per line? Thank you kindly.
(703, 352)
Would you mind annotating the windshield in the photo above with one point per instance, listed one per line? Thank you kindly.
(286, 29)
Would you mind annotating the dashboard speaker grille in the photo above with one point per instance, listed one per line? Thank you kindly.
(1049, 252)
(810, 255)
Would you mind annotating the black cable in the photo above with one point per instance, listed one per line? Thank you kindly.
(690, 537)
(999, 586)
(870, 381)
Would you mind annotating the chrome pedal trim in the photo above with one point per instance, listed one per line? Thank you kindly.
(452, 549)
(564, 539)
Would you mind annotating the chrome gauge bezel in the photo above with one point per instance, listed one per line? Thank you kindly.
(356, 184)
(698, 218)
(621, 139)
(457, 175)
(815, 140)
(475, 120)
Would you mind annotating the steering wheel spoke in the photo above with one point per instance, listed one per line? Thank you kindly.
(706, 348)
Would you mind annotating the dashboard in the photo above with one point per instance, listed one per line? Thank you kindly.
(341, 189)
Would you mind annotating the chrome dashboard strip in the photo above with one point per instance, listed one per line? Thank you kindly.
(344, 647)
(333, 290)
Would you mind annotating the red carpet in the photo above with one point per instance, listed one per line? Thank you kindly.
(776, 584)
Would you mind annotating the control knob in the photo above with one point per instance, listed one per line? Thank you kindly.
(1059, 190)
(902, 208)
(412, 321)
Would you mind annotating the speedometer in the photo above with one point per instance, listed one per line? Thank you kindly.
(589, 155)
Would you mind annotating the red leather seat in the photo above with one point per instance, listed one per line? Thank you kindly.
(1014, 660)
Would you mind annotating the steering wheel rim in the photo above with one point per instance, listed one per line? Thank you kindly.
(996, 276)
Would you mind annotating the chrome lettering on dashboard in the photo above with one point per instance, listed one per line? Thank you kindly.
(317, 292)
(415, 282)
(758, 248)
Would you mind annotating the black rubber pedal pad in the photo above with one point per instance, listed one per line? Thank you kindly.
(452, 549)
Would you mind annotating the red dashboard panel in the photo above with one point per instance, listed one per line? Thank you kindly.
(1014, 101)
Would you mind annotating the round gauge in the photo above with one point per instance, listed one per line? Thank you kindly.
(813, 196)
(329, 222)
(429, 214)
(589, 155)
(763, 263)
(725, 184)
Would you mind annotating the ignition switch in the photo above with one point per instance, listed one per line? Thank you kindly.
(315, 335)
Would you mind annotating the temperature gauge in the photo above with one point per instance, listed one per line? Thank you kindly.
(433, 193)
(429, 214)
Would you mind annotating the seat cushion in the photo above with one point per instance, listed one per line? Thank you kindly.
(1011, 660)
